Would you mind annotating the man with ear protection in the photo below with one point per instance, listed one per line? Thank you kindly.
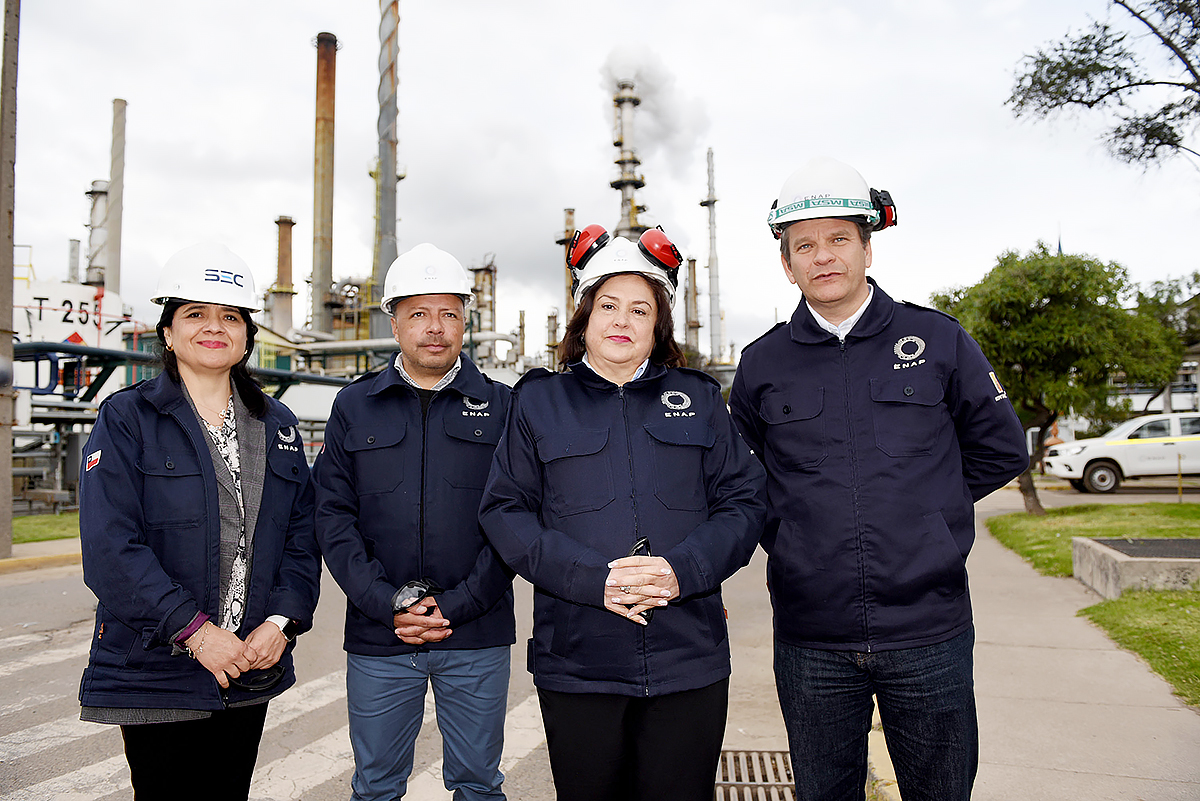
(880, 423)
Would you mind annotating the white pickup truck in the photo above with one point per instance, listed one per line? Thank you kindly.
(1154, 445)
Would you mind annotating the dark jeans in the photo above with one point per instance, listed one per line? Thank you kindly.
(926, 704)
(209, 758)
(606, 747)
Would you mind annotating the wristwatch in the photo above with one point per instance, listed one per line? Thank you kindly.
(290, 629)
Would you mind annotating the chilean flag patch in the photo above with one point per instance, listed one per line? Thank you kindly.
(92, 460)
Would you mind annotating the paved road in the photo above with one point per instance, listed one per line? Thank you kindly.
(47, 752)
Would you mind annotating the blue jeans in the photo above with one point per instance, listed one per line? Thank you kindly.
(926, 704)
(386, 700)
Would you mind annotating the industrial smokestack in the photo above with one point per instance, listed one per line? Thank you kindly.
(385, 212)
(279, 297)
(322, 272)
(116, 199)
(691, 334)
(73, 261)
(715, 323)
(97, 253)
(624, 101)
(565, 241)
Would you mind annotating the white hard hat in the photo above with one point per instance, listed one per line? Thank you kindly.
(426, 270)
(593, 256)
(207, 273)
(825, 187)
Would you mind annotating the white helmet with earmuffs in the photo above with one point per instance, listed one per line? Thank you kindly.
(593, 255)
(825, 187)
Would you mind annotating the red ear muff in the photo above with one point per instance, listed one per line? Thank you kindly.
(584, 245)
(881, 199)
(661, 251)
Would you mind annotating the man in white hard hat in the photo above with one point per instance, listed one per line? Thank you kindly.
(399, 480)
(880, 424)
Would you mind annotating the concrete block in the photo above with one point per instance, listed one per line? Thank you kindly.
(1110, 572)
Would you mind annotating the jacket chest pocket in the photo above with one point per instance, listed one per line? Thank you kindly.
(678, 448)
(796, 438)
(908, 414)
(471, 440)
(378, 457)
(285, 472)
(173, 488)
(578, 476)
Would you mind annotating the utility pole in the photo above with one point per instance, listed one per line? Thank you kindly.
(8, 161)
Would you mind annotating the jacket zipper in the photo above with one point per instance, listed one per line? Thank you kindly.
(633, 496)
(854, 483)
(421, 513)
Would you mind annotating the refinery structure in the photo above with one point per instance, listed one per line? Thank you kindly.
(76, 340)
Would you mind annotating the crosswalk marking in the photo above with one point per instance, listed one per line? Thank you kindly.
(43, 658)
(102, 778)
(522, 733)
(289, 777)
(316, 763)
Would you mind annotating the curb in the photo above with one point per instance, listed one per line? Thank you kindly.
(17, 564)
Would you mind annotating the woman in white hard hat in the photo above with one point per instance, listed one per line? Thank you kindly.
(622, 491)
(197, 534)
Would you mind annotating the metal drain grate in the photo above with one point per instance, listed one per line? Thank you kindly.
(754, 776)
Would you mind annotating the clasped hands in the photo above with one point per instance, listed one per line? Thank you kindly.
(226, 656)
(422, 623)
(638, 584)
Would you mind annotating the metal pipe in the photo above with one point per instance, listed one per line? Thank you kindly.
(387, 343)
(116, 199)
(385, 216)
(714, 283)
(322, 272)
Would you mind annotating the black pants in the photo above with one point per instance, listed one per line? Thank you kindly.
(210, 758)
(607, 747)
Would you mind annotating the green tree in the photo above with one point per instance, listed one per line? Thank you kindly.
(1176, 304)
(1056, 327)
(1108, 67)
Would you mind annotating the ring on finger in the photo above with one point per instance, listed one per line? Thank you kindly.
(627, 590)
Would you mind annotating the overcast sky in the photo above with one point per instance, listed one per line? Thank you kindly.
(506, 119)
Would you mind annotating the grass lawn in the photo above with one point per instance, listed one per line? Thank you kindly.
(35, 528)
(1045, 542)
(1161, 627)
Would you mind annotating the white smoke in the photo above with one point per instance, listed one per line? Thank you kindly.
(667, 125)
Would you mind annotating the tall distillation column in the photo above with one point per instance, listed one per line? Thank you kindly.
(385, 126)
(322, 272)
(714, 284)
(624, 101)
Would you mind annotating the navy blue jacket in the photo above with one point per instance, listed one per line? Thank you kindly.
(149, 525)
(398, 500)
(875, 449)
(585, 469)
